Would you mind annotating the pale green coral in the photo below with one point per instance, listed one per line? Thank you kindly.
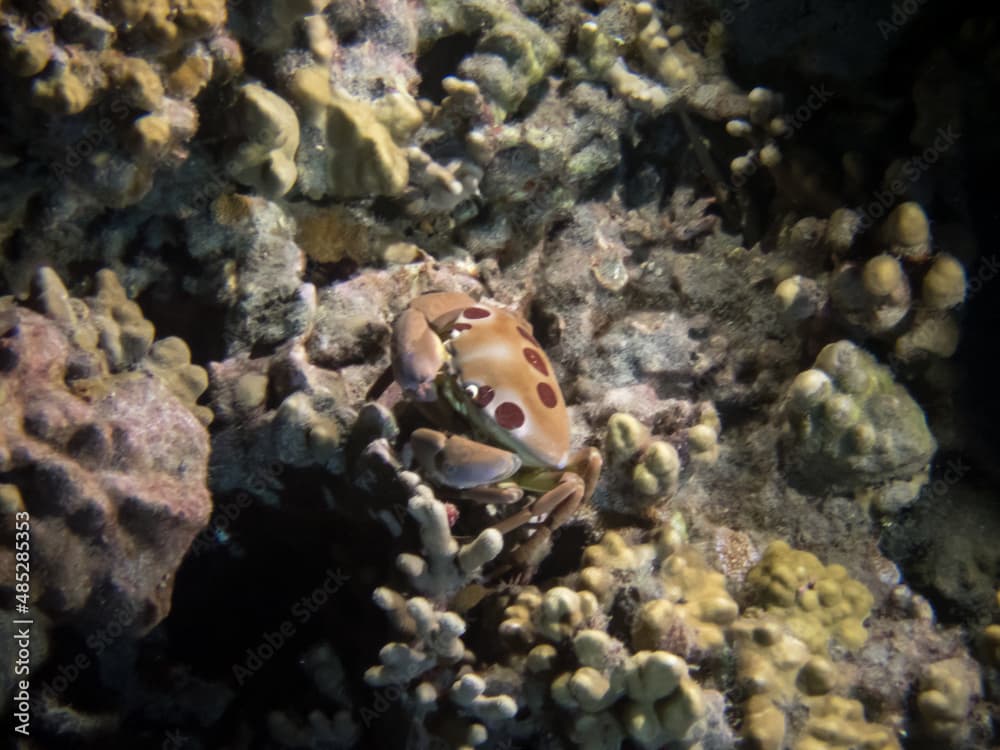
(512, 54)
(616, 690)
(625, 437)
(658, 470)
(945, 283)
(692, 610)
(653, 466)
(875, 297)
(848, 425)
(990, 640)
(703, 437)
(906, 232)
(778, 672)
(688, 606)
(601, 57)
(669, 61)
(647, 696)
(991, 644)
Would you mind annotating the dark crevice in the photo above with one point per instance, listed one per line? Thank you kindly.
(440, 61)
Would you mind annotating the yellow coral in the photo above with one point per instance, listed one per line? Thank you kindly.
(265, 154)
(134, 79)
(817, 602)
(362, 159)
(625, 436)
(189, 77)
(907, 232)
(837, 723)
(947, 689)
(944, 284)
(26, 53)
(62, 93)
(658, 470)
(693, 610)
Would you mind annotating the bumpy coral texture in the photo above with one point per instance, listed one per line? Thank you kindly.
(558, 664)
(849, 425)
(102, 443)
(121, 74)
(819, 602)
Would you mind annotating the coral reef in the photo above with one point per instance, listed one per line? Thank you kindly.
(348, 147)
(265, 160)
(706, 214)
(946, 691)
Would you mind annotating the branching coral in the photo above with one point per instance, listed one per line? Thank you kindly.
(512, 53)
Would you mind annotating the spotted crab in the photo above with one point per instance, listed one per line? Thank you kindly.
(479, 362)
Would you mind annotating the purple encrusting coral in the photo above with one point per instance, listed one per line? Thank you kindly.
(110, 464)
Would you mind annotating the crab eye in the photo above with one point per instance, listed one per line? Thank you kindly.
(471, 390)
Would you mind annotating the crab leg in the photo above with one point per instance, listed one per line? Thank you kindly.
(567, 494)
(417, 351)
(560, 503)
(499, 495)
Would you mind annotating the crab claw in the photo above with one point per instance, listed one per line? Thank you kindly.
(417, 355)
(458, 462)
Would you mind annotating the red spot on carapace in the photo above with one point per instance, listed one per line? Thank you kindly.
(484, 395)
(509, 415)
(475, 313)
(547, 395)
(452, 513)
(527, 335)
(461, 327)
(536, 361)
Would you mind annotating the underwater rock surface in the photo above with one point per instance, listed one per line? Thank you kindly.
(742, 250)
